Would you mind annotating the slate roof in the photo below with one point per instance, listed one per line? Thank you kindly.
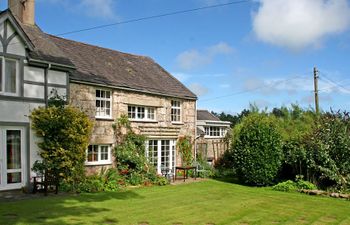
(103, 66)
(206, 115)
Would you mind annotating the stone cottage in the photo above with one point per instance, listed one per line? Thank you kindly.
(102, 82)
(211, 133)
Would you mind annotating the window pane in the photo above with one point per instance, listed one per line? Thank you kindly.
(108, 94)
(102, 94)
(13, 149)
(104, 153)
(98, 93)
(92, 153)
(13, 178)
(10, 76)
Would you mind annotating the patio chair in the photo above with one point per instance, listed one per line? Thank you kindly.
(199, 168)
(45, 183)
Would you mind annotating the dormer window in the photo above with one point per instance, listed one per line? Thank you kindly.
(8, 76)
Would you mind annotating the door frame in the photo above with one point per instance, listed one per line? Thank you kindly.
(24, 129)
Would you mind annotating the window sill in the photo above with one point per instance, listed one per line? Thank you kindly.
(98, 163)
(214, 137)
(177, 123)
(143, 121)
(104, 118)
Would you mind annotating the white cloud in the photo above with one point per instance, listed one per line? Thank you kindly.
(92, 8)
(292, 85)
(296, 24)
(181, 76)
(99, 8)
(194, 58)
(198, 89)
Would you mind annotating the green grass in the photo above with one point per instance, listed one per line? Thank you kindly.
(207, 202)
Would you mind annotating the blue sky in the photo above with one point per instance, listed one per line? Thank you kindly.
(261, 51)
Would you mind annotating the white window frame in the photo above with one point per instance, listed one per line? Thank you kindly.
(178, 108)
(105, 100)
(171, 156)
(146, 111)
(208, 131)
(2, 91)
(99, 160)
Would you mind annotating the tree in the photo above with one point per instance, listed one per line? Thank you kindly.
(329, 151)
(257, 150)
(65, 133)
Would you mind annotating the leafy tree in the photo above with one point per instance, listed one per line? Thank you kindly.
(65, 133)
(329, 151)
(257, 149)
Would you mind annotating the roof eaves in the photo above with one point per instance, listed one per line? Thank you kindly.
(132, 89)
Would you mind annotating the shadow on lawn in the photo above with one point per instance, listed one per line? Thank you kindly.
(71, 209)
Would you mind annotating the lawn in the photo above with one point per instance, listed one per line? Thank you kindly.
(207, 202)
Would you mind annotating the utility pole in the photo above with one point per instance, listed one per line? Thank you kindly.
(317, 107)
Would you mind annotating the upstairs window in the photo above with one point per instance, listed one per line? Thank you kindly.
(98, 154)
(8, 76)
(175, 111)
(215, 131)
(103, 104)
(141, 113)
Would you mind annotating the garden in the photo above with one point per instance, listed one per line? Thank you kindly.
(205, 202)
(273, 156)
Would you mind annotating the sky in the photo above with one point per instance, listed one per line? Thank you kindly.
(258, 52)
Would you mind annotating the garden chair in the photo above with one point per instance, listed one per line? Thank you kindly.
(46, 182)
(199, 168)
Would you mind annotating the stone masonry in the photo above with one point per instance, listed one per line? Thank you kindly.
(83, 97)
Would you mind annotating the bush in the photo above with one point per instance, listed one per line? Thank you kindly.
(132, 164)
(286, 186)
(289, 186)
(257, 150)
(65, 133)
(329, 151)
(106, 180)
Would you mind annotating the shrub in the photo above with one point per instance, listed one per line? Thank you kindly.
(286, 186)
(132, 164)
(328, 150)
(184, 146)
(289, 185)
(65, 133)
(257, 150)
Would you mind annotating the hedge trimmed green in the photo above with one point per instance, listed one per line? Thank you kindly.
(257, 150)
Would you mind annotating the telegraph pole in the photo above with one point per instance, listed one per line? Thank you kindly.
(317, 107)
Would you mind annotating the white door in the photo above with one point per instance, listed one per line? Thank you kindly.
(12, 158)
(161, 153)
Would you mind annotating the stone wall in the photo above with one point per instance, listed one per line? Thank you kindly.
(83, 97)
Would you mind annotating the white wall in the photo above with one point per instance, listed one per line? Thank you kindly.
(16, 111)
(16, 47)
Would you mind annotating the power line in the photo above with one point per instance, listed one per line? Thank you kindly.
(251, 90)
(327, 79)
(149, 18)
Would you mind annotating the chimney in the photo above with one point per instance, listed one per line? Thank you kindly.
(24, 10)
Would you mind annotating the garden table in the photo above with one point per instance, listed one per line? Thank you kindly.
(185, 169)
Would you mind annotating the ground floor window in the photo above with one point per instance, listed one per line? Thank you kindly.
(98, 154)
(162, 154)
